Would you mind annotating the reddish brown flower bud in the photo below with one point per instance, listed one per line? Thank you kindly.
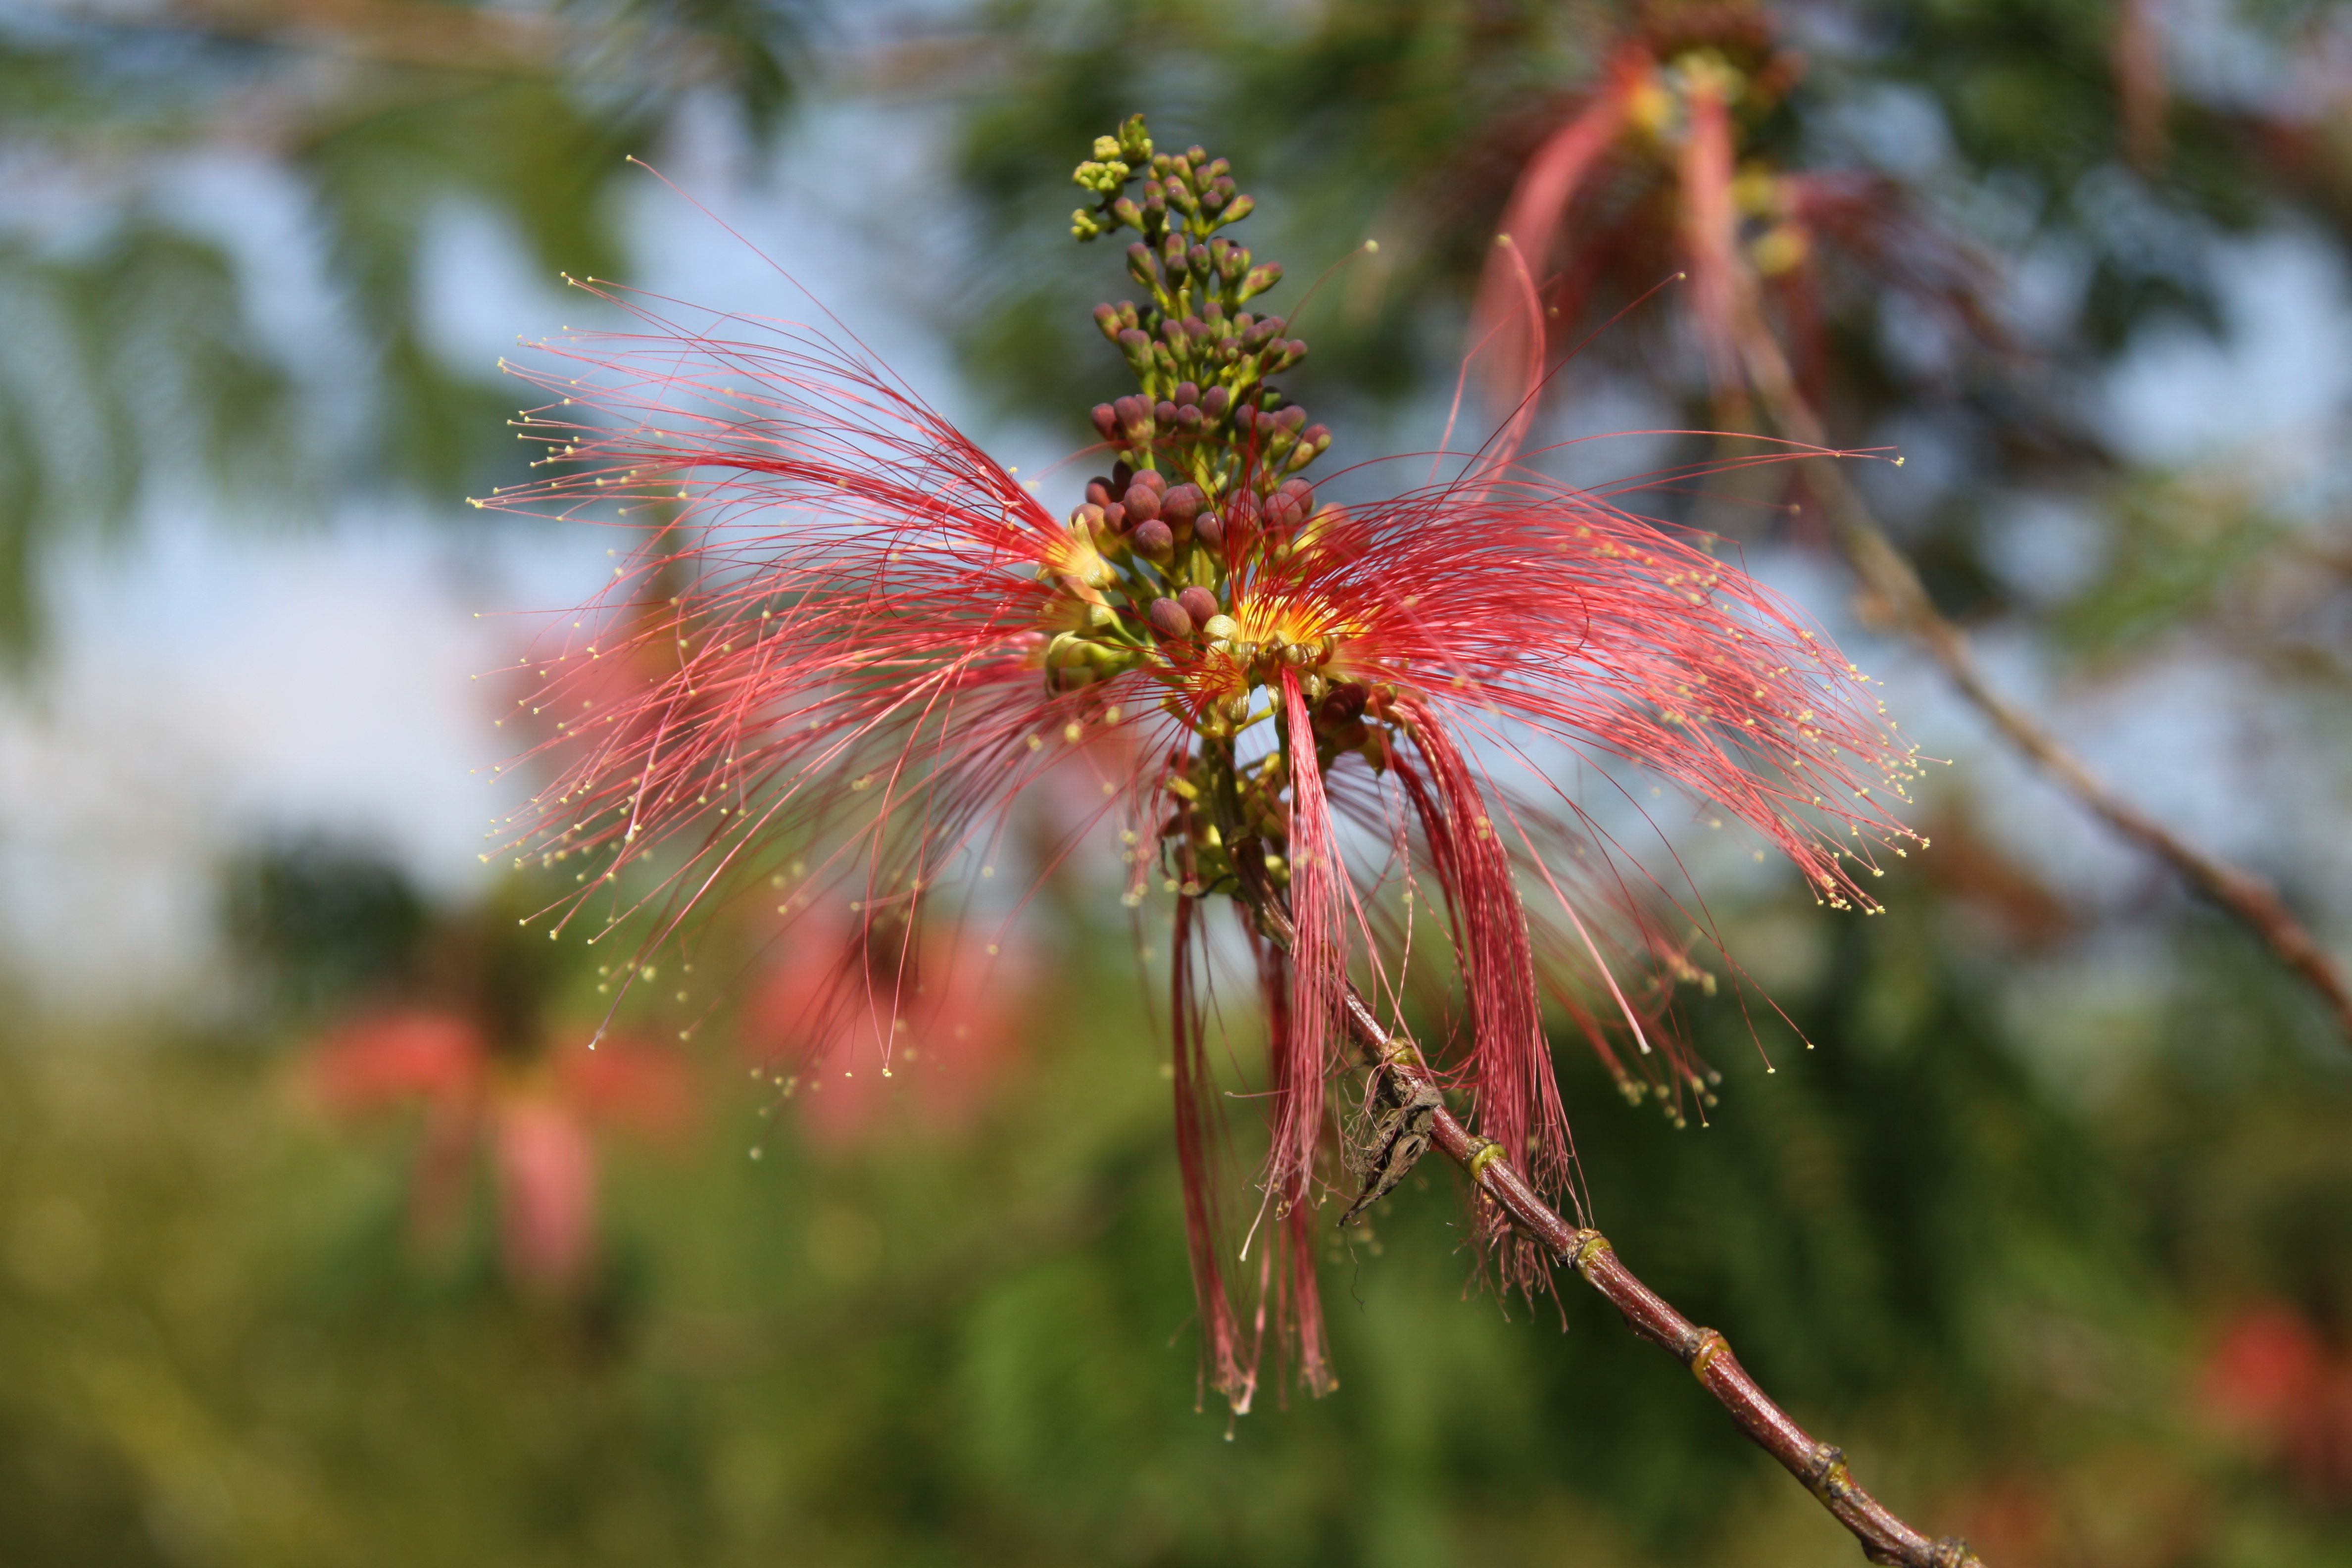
(1142, 503)
(1122, 474)
(1199, 603)
(1166, 412)
(1345, 704)
(1169, 619)
(1155, 478)
(1115, 518)
(1187, 394)
(1105, 420)
(1181, 505)
(1209, 528)
(1241, 527)
(1213, 403)
(1098, 490)
(1283, 511)
(1301, 491)
(1153, 538)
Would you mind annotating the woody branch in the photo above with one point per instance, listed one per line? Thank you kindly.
(1891, 580)
(1885, 1538)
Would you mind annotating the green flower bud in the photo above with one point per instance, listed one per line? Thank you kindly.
(1238, 208)
(1134, 140)
(1260, 280)
(1107, 320)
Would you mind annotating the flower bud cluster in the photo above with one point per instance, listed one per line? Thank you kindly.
(1204, 363)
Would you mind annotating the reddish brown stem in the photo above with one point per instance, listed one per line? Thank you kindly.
(1820, 1466)
(1891, 579)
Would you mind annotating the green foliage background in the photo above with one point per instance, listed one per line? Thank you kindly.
(1995, 1271)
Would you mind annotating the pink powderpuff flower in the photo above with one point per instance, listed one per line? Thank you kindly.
(1641, 181)
(531, 1122)
(879, 639)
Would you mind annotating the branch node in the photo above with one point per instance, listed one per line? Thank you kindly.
(1826, 1474)
(1705, 1345)
(1488, 1152)
(1589, 1244)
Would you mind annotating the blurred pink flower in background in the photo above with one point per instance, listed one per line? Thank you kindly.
(2271, 1377)
(855, 1021)
(530, 1115)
